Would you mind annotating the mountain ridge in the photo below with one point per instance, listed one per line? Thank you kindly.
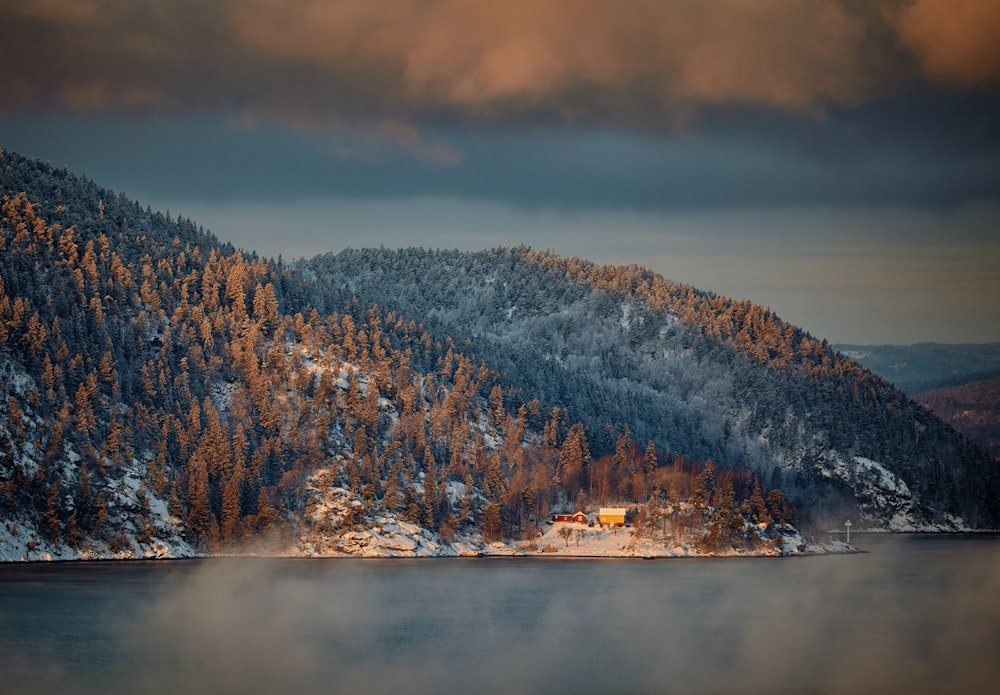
(165, 393)
(673, 360)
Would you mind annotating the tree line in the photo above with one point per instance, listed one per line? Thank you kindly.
(128, 348)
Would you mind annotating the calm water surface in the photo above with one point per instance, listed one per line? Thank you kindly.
(912, 614)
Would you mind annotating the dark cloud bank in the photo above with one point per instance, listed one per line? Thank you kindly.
(643, 64)
(688, 104)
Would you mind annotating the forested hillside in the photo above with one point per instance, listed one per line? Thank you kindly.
(690, 370)
(166, 394)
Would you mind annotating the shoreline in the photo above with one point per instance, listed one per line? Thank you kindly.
(544, 557)
(466, 549)
(491, 551)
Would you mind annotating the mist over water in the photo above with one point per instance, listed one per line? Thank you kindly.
(911, 615)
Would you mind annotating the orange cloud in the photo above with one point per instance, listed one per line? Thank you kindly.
(956, 41)
(62, 10)
(494, 58)
(649, 64)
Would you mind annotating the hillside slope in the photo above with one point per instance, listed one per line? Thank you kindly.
(164, 394)
(690, 370)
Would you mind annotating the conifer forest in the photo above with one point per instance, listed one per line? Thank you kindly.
(161, 388)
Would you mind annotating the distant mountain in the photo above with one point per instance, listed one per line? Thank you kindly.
(972, 408)
(166, 394)
(959, 383)
(924, 366)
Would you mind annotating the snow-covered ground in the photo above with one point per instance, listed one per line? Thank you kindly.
(609, 542)
(337, 523)
(392, 537)
(21, 542)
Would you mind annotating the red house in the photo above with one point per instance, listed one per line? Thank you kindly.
(578, 518)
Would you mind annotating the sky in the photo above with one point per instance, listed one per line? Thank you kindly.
(835, 160)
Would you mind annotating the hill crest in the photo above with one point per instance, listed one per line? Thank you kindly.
(189, 394)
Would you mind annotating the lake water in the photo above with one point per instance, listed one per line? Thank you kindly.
(912, 614)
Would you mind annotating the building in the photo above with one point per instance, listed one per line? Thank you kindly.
(578, 518)
(611, 516)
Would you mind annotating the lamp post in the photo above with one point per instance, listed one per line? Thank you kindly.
(848, 525)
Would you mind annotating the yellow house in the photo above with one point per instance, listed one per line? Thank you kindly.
(609, 516)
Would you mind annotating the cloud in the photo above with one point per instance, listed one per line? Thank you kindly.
(369, 144)
(70, 11)
(490, 58)
(647, 64)
(956, 41)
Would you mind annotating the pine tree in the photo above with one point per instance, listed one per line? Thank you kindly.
(430, 490)
(650, 462)
(704, 486)
(758, 507)
(53, 520)
(494, 485)
(101, 515)
(85, 502)
(265, 308)
(574, 456)
(390, 498)
(84, 410)
(200, 521)
(267, 516)
(232, 492)
(496, 406)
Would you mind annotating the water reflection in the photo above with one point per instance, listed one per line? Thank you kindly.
(907, 616)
